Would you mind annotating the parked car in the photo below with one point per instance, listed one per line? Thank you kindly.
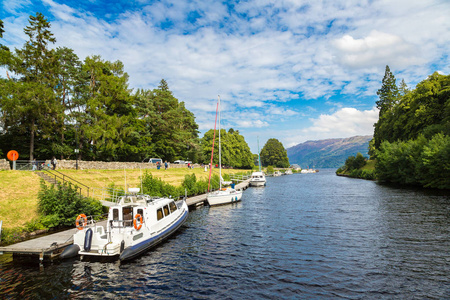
(179, 162)
(153, 160)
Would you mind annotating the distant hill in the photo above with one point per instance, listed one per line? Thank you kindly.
(330, 153)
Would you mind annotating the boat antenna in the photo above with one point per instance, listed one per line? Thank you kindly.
(125, 174)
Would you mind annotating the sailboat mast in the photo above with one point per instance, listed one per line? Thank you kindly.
(220, 153)
(259, 157)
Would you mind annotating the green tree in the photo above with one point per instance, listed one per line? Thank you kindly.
(273, 153)
(107, 117)
(235, 150)
(31, 101)
(169, 126)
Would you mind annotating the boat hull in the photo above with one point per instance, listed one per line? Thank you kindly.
(257, 183)
(136, 250)
(220, 197)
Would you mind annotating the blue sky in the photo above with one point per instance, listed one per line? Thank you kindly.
(292, 70)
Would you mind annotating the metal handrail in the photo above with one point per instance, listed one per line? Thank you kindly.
(71, 179)
(61, 178)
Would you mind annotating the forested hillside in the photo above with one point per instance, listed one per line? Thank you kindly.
(329, 153)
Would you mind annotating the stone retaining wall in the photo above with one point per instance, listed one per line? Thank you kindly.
(4, 164)
(105, 165)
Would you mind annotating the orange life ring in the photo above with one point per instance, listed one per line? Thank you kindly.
(83, 223)
(136, 217)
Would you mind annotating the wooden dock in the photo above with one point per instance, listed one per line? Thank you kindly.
(45, 247)
(51, 245)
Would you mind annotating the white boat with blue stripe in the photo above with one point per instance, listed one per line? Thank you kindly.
(135, 224)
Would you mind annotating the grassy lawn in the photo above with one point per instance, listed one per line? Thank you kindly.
(19, 189)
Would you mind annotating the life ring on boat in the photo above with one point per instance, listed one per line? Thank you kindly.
(137, 218)
(81, 221)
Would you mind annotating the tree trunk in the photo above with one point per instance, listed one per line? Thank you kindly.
(32, 140)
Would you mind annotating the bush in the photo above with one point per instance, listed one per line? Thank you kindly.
(61, 205)
(157, 188)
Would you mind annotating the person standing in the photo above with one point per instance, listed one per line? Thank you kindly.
(53, 162)
(34, 164)
(165, 165)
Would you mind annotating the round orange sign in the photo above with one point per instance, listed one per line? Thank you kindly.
(12, 155)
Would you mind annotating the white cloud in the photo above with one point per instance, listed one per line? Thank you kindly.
(346, 122)
(376, 49)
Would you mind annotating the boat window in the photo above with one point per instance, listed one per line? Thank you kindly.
(173, 206)
(159, 214)
(127, 216)
(166, 210)
(141, 212)
(115, 214)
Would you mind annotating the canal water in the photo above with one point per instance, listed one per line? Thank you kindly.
(307, 236)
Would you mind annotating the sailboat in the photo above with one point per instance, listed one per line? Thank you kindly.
(223, 195)
(258, 178)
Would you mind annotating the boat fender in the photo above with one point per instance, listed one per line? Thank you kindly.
(81, 221)
(88, 240)
(137, 218)
(122, 246)
(70, 251)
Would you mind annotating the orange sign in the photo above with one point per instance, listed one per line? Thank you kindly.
(12, 155)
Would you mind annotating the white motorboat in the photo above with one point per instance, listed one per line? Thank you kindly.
(223, 195)
(135, 224)
(276, 173)
(258, 179)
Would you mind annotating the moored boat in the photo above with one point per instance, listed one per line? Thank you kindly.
(258, 179)
(135, 224)
(223, 195)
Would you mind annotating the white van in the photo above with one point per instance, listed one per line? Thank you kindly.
(179, 162)
(153, 160)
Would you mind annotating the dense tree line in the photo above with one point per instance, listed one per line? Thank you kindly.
(411, 141)
(51, 103)
(235, 150)
(274, 154)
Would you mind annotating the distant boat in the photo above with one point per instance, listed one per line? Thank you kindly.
(307, 171)
(276, 173)
(288, 172)
(135, 224)
(223, 195)
(258, 178)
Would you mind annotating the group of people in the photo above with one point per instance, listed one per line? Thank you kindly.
(40, 166)
(166, 165)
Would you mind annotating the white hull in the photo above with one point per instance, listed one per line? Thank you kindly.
(125, 236)
(224, 197)
(257, 183)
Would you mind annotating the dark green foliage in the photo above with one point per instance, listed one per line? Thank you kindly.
(59, 206)
(235, 150)
(58, 103)
(156, 187)
(195, 187)
(274, 154)
(411, 139)
(420, 162)
(354, 163)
